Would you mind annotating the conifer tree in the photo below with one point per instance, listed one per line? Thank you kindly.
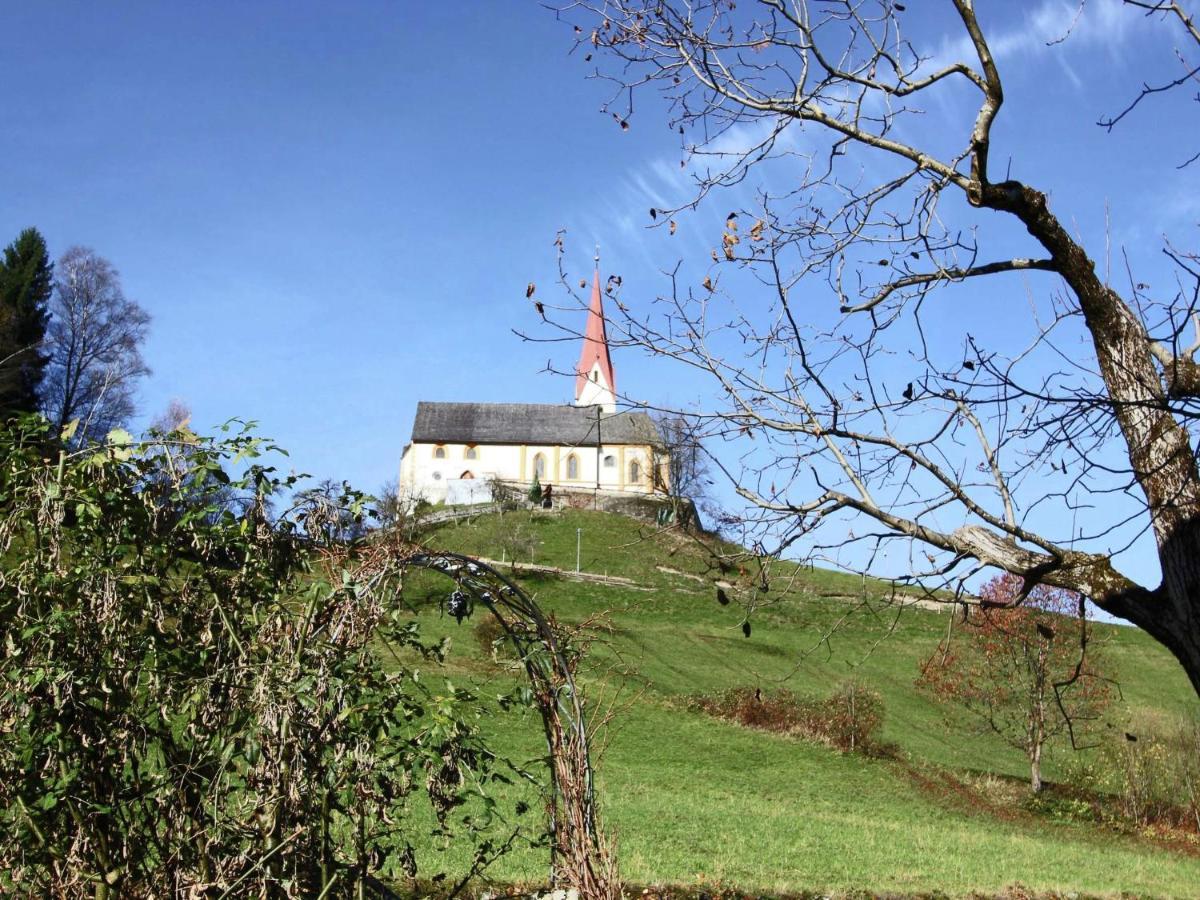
(26, 276)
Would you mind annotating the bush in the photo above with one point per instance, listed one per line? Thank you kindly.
(189, 698)
(778, 712)
(1157, 776)
(493, 639)
(1061, 808)
(1185, 755)
(1146, 774)
(849, 719)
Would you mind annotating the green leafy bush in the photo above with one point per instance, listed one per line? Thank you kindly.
(192, 702)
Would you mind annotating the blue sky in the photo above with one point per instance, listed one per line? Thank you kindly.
(332, 210)
(329, 213)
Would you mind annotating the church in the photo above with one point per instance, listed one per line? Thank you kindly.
(459, 450)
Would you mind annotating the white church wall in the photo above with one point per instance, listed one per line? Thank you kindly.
(614, 477)
(467, 491)
(425, 475)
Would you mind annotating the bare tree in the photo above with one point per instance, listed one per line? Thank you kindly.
(978, 455)
(389, 507)
(175, 416)
(682, 471)
(180, 486)
(686, 467)
(94, 343)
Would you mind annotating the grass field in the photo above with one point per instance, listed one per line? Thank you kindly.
(697, 802)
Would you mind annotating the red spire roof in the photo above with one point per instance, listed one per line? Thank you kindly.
(595, 344)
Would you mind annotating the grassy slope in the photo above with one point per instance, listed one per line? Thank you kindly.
(692, 799)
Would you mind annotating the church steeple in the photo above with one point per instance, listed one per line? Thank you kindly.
(595, 384)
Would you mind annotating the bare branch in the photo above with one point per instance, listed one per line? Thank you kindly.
(1010, 265)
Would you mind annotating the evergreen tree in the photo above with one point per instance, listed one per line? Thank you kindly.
(26, 276)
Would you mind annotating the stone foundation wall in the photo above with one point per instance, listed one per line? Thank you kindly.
(647, 507)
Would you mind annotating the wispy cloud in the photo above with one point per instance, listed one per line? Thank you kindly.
(1061, 24)
(662, 183)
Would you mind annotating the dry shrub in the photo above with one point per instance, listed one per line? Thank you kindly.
(493, 639)
(489, 633)
(849, 719)
(1186, 753)
(1157, 776)
(1146, 774)
(520, 543)
(778, 712)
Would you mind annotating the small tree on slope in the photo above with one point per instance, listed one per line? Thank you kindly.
(1031, 673)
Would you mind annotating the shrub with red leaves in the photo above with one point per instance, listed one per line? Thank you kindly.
(848, 719)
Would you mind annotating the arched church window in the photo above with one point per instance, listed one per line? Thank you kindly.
(635, 472)
(472, 452)
(610, 461)
(573, 467)
(539, 466)
(439, 452)
(467, 474)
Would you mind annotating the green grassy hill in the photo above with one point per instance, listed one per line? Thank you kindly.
(698, 802)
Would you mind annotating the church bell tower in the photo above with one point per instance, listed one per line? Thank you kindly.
(594, 381)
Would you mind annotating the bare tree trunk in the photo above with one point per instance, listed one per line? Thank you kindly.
(1035, 768)
(1037, 720)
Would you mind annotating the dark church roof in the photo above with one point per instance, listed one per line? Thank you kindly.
(528, 423)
